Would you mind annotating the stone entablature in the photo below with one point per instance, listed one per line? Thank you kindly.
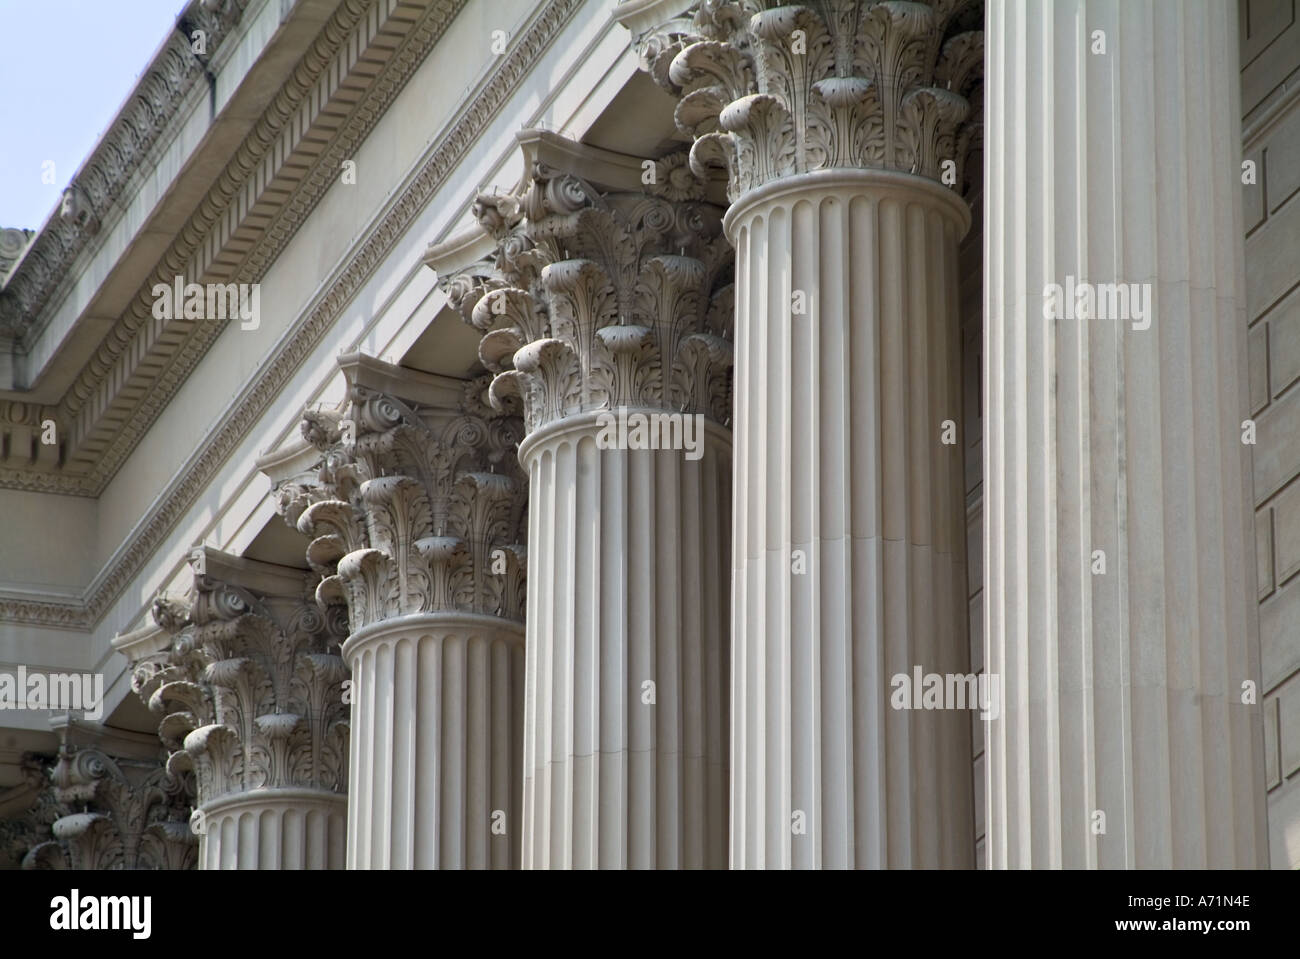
(162, 89)
(445, 156)
(349, 70)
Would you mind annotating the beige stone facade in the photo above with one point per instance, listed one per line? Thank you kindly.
(1270, 86)
(572, 433)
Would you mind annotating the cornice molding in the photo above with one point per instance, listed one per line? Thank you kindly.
(474, 118)
(98, 184)
(289, 218)
(97, 443)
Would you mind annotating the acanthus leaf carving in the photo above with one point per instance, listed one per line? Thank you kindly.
(109, 812)
(771, 90)
(399, 535)
(591, 294)
(248, 690)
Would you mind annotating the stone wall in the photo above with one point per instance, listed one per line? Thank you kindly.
(1270, 94)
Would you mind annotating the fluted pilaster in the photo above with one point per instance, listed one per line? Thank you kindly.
(416, 513)
(1120, 603)
(844, 129)
(607, 305)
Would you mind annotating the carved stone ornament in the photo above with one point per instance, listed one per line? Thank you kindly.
(249, 689)
(28, 810)
(117, 814)
(595, 300)
(413, 509)
(99, 184)
(767, 91)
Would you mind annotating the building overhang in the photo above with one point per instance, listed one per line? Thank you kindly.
(213, 197)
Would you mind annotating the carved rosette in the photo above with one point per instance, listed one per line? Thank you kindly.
(413, 511)
(769, 91)
(595, 301)
(117, 814)
(250, 691)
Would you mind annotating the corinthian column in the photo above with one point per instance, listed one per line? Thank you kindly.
(415, 513)
(1120, 601)
(835, 123)
(250, 699)
(113, 812)
(606, 320)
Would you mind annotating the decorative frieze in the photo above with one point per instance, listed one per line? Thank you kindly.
(158, 96)
(307, 333)
(769, 91)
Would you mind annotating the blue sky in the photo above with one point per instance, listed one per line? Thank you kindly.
(66, 67)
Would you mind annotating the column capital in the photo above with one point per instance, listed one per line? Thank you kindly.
(109, 812)
(247, 678)
(771, 91)
(417, 503)
(609, 286)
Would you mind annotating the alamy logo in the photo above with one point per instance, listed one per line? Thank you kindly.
(57, 691)
(924, 690)
(209, 301)
(75, 912)
(1100, 301)
(652, 431)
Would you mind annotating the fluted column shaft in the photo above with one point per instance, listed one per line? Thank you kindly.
(436, 744)
(849, 524)
(274, 829)
(1120, 597)
(625, 761)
